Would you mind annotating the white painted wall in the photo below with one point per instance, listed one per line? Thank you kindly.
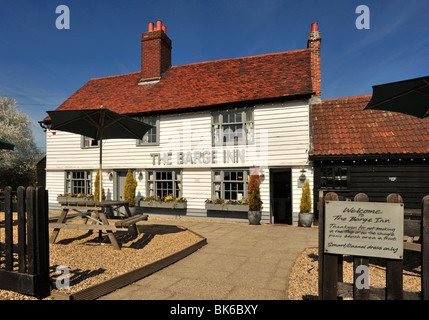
(282, 140)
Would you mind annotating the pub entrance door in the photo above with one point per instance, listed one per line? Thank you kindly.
(280, 195)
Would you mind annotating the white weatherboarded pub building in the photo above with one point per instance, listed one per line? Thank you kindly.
(213, 122)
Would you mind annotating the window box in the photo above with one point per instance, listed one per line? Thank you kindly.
(227, 207)
(163, 204)
(68, 199)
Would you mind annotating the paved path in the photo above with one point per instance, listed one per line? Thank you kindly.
(240, 261)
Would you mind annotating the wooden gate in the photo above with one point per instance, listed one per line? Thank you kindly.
(331, 284)
(24, 257)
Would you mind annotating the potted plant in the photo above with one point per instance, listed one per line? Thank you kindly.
(305, 215)
(130, 192)
(97, 188)
(254, 198)
(168, 202)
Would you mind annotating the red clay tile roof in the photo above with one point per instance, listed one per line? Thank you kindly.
(200, 84)
(342, 127)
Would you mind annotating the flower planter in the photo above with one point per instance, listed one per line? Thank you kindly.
(72, 200)
(227, 207)
(163, 205)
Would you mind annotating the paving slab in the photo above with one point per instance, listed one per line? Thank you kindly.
(239, 262)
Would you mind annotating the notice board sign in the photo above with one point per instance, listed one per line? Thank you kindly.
(369, 229)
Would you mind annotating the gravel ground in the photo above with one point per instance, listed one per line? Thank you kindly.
(303, 281)
(92, 260)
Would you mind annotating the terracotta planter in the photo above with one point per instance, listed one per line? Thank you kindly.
(227, 207)
(163, 205)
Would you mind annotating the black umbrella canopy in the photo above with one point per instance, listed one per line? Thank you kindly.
(6, 145)
(98, 124)
(409, 97)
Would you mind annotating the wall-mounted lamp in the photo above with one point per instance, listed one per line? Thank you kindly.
(302, 178)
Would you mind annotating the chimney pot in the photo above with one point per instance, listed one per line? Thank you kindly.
(314, 26)
(150, 28)
(164, 28)
(158, 25)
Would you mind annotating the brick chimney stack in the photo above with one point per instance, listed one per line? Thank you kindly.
(313, 43)
(156, 53)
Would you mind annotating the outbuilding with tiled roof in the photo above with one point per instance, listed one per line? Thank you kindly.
(369, 151)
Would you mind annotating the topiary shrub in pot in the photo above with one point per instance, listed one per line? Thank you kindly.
(130, 191)
(97, 188)
(305, 215)
(254, 198)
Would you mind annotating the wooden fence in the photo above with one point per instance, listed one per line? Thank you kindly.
(24, 258)
(331, 285)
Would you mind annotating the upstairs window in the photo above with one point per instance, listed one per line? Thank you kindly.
(152, 136)
(232, 127)
(88, 142)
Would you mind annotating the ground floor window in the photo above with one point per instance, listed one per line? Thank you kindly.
(336, 178)
(230, 184)
(78, 182)
(164, 183)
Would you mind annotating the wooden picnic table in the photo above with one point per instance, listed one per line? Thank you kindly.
(85, 210)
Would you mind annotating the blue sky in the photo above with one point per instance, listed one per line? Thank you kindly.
(41, 66)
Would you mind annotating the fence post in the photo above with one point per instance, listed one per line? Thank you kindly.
(31, 230)
(425, 248)
(329, 275)
(42, 249)
(394, 268)
(22, 233)
(360, 294)
(8, 228)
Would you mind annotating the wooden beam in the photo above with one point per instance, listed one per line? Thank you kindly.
(85, 227)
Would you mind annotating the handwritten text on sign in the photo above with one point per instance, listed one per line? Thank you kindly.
(371, 229)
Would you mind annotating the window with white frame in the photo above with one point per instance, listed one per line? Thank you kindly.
(88, 142)
(230, 184)
(152, 136)
(77, 182)
(164, 183)
(232, 127)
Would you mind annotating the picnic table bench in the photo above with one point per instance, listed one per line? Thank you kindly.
(130, 223)
(99, 222)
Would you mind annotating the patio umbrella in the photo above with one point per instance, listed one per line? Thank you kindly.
(6, 145)
(98, 124)
(409, 97)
